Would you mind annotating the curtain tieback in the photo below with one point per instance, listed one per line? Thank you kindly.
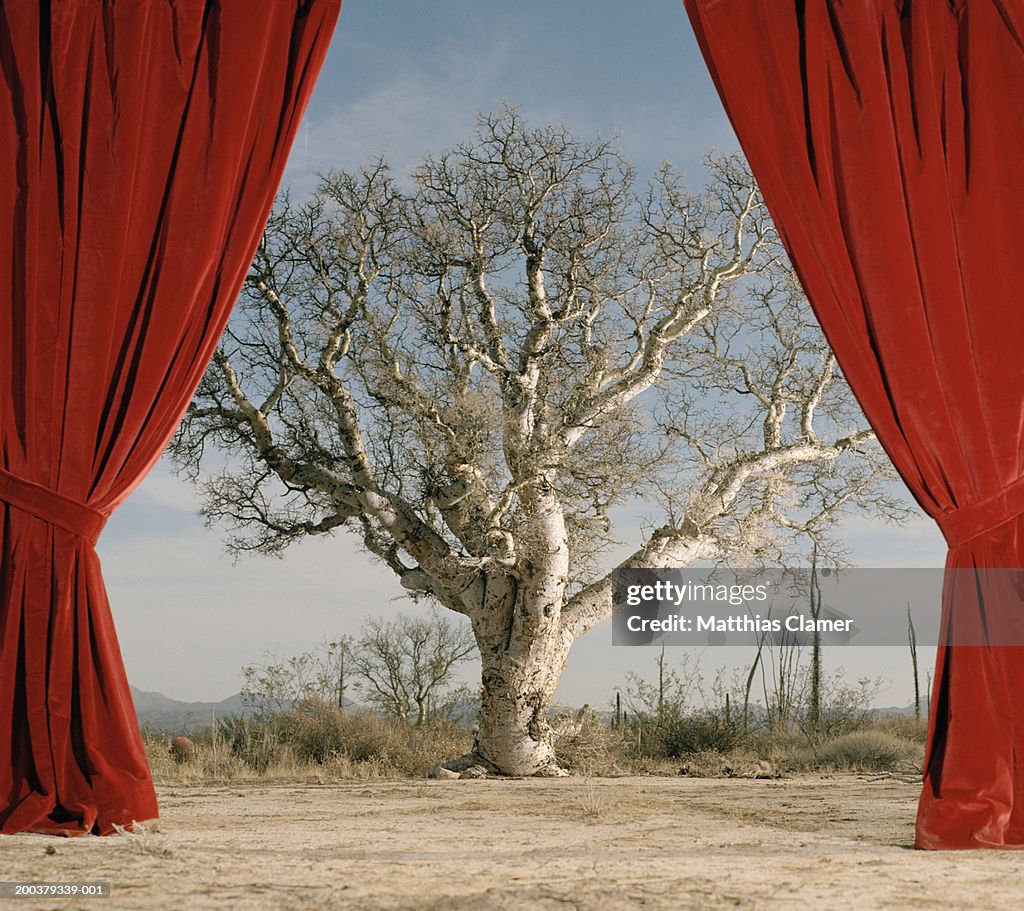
(52, 507)
(974, 519)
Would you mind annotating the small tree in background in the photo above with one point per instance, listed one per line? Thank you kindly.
(406, 664)
(319, 674)
(403, 667)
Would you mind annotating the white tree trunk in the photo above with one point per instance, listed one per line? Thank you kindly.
(523, 653)
(514, 735)
(524, 631)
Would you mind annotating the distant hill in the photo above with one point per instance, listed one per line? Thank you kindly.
(900, 710)
(157, 712)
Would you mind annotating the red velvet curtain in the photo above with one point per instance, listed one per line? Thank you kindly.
(888, 139)
(141, 144)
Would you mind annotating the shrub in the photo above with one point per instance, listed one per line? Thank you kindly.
(316, 735)
(788, 751)
(253, 743)
(874, 751)
(906, 727)
(583, 743)
(212, 759)
(697, 732)
(182, 750)
(314, 730)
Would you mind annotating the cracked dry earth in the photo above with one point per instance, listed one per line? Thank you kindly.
(808, 842)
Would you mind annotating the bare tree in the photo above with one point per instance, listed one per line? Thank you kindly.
(277, 685)
(406, 663)
(472, 374)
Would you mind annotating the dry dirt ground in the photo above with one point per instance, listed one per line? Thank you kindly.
(812, 842)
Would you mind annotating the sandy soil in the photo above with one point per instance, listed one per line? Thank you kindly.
(814, 842)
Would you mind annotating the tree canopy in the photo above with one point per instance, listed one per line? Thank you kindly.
(475, 368)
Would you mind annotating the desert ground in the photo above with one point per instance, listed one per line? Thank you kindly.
(813, 841)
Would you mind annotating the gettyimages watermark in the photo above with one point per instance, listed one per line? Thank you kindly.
(723, 606)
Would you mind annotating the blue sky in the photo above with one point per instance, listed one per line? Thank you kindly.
(403, 78)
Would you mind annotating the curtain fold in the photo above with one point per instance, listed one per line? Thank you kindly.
(141, 144)
(886, 137)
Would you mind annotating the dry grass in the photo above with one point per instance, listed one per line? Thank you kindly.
(906, 727)
(316, 743)
(312, 744)
(212, 762)
(591, 801)
(143, 839)
(586, 745)
(872, 751)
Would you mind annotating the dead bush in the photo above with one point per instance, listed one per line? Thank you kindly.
(585, 744)
(870, 751)
(906, 727)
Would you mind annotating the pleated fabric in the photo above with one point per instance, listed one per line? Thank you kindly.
(887, 138)
(141, 144)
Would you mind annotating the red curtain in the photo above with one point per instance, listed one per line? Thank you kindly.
(141, 144)
(887, 138)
